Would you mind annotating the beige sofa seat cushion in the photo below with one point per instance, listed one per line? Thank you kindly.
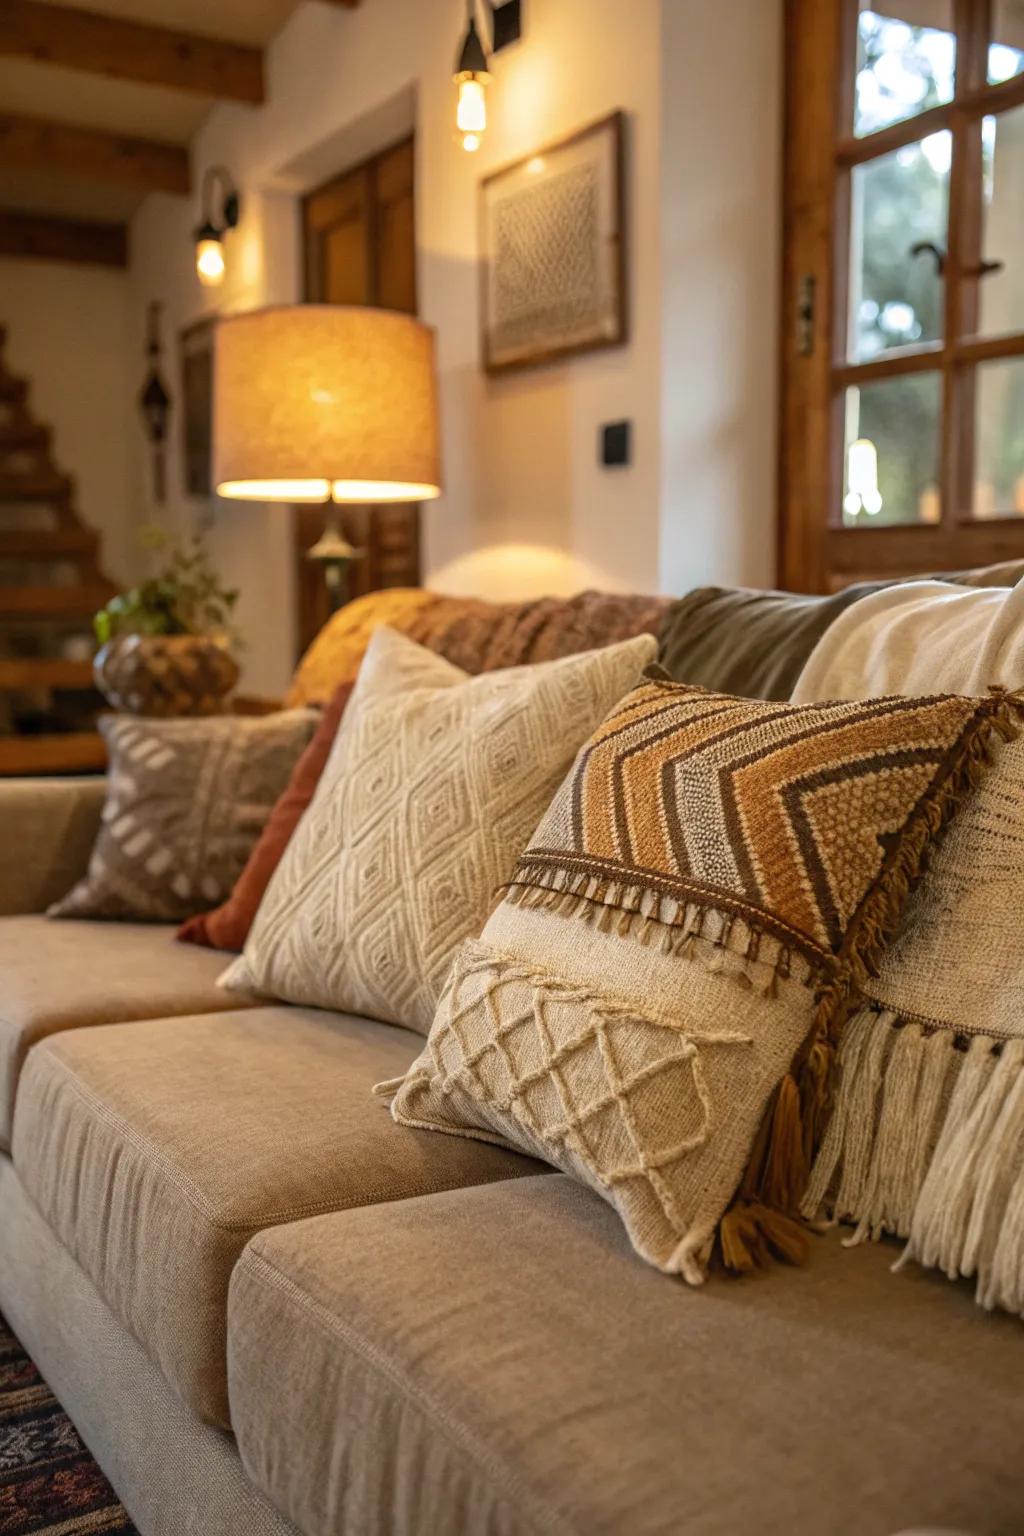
(56, 976)
(156, 1152)
(539, 1377)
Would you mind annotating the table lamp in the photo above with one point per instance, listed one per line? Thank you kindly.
(325, 403)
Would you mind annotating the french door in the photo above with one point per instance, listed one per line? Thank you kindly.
(902, 434)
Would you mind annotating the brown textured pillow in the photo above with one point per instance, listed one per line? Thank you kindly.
(186, 801)
(700, 845)
(228, 926)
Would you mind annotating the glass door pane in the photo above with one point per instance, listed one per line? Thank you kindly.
(903, 66)
(891, 454)
(1001, 285)
(898, 219)
(999, 439)
(1006, 51)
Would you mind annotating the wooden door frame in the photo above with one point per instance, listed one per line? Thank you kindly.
(367, 167)
(820, 153)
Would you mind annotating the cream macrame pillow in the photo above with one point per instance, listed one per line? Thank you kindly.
(653, 1006)
(927, 1138)
(432, 789)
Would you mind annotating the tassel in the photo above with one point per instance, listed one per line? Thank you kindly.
(785, 1174)
(751, 1235)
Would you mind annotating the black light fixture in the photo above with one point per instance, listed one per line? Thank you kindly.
(155, 402)
(209, 237)
(506, 23)
(472, 78)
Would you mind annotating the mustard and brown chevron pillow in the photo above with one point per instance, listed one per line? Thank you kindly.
(654, 1005)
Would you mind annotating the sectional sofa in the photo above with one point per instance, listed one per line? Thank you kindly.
(270, 1309)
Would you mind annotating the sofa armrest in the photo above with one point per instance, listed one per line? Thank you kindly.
(47, 829)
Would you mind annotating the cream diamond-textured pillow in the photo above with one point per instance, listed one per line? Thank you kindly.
(429, 796)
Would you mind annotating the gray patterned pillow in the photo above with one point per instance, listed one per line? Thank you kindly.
(186, 801)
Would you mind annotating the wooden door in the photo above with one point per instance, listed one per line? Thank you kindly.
(902, 439)
(360, 248)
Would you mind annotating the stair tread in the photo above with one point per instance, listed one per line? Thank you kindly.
(46, 543)
(48, 602)
(23, 434)
(18, 672)
(76, 752)
(34, 487)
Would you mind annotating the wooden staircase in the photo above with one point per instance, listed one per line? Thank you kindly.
(51, 584)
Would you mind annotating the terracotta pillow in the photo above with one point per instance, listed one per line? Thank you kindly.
(228, 926)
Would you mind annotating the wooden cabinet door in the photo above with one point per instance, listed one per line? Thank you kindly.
(360, 248)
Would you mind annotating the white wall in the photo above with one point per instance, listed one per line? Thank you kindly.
(721, 155)
(528, 509)
(68, 333)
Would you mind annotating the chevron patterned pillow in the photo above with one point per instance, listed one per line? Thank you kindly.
(654, 1005)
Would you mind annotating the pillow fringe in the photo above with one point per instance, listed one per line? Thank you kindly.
(927, 1143)
(777, 1174)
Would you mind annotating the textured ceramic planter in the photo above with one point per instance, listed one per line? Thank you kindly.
(165, 675)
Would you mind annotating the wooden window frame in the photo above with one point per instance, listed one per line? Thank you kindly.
(815, 552)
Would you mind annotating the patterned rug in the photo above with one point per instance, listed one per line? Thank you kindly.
(49, 1484)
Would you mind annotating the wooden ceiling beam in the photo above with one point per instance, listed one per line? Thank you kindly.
(38, 144)
(130, 50)
(45, 239)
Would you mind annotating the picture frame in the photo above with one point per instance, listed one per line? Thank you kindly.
(195, 344)
(554, 271)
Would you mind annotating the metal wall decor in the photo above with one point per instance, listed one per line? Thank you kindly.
(155, 404)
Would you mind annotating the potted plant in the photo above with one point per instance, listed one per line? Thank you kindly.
(166, 646)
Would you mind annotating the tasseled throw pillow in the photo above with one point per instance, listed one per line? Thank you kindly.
(654, 1005)
(432, 789)
(927, 1138)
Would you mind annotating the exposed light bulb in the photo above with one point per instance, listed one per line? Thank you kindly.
(471, 112)
(210, 261)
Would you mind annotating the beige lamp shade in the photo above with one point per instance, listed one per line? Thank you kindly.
(319, 401)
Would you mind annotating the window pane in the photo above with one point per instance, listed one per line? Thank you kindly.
(1001, 291)
(1006, 53)
(903, 67)
(999, 439)
(891, 458)
(898, 207)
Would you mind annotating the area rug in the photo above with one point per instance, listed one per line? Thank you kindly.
(49, 1484)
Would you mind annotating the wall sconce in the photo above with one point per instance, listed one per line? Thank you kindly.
(472, 78)
(209, 237)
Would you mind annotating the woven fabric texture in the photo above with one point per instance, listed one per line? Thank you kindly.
(471, 633)
(927, 1138)
(771, 845)
(430, 794)
(227, 927)
(186, 801)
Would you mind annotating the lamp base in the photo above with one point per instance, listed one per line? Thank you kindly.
(335, 554)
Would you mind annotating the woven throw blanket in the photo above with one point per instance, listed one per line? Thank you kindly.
(653, 1006)
(472, 634)
(927, 1137)
(916, 639)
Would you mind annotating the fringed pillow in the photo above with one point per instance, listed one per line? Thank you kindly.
(926, 1141)
(653, 1006)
